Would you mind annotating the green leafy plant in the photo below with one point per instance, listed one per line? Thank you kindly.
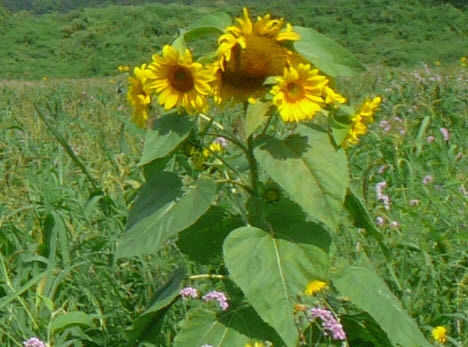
(252, 196)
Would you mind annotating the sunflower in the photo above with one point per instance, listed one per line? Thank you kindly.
(364, 116)
(248, 53)
(300, 93)
(138, 94)
(179, 81)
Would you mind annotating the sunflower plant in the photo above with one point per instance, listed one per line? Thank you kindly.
(245, 160)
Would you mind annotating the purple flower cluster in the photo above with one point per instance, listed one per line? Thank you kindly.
(329, 323)
(188, 292)
(379, 187)
(427, 179)
(218, 296)
(445, 134)
(34, 342)
(221, 141)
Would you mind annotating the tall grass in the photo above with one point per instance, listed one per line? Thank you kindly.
(59, 221)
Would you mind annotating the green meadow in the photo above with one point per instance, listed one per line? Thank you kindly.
(69, 170)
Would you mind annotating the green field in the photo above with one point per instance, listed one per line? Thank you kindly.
(69, 168)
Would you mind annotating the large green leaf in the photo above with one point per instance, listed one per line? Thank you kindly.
(233, 328)
(256, 115)
(150, 233)
(161, 189)
(147, 325)
(272, 271)
(369, 292)
(287, 218)
(203, 241)
(310, 169)
(327, 55)
(72, 319)
(167, 133)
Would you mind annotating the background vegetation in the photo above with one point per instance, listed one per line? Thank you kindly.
(67, 179)
(88, 42)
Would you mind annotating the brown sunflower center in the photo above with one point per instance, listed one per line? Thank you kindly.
(250, 66)
(293, 91)
(181, 79)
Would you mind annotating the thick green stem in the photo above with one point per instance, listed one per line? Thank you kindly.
(253, 166)
(255, 205)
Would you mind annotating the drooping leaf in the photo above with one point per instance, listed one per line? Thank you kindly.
(362, 219)
(203, 241)
(161, 189)
(71, 319)
(327, 55)
(272, 271)
(214, 23)
(166, 134)
(369, 292)
(362, 329)
(149, 234)
(233, 328)
(256, 115)
(146, 326)
(309, 169)
(287, 218)
(341, 123)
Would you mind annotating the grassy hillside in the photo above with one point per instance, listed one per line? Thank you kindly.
(94, 41)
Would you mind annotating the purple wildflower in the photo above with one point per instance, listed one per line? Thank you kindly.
(394, 224)
(382, 168)
(188, 292)
(445, 134)
(430, 139)
(379, 187)
(206, 345)
(34, 342)
(379, 221)
(220, 297)
(221, 141)
(385, 125)
(427, 179)
(414, 202)
(329, 323)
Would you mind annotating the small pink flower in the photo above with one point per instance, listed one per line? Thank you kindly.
(188, 292)
(382, 168)
(394, 224)
(379, 221)
(385, 125)
(34, 342)
(329, 323)
(427, 179)
(445, 134)
(430, 139)
(220, 297)
(414, 202)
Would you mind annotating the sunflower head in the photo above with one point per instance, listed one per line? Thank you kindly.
(361, 119)
(139, 94)
(299, 93)
(248, 53)
(180, 82)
